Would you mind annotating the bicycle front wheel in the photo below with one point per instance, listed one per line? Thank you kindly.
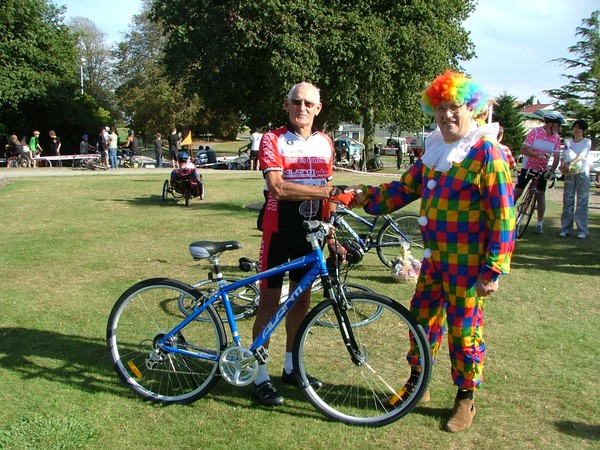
(244, 300)
(376, 388)
(141, 317)
(405, 231)
(525, 211)
(348, 287)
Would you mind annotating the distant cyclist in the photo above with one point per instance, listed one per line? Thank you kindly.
(185, 170)
(539, 145)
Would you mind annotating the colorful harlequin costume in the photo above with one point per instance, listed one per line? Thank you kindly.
(467, 222)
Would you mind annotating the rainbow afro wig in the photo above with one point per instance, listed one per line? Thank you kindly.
(454, 87)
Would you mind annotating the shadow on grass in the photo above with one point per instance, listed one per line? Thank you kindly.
(548, 252)
(195, 204)
(72, 360)
(440, 414)
(579, 429)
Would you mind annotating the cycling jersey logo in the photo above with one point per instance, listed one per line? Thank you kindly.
(289, 142)
(309, 208)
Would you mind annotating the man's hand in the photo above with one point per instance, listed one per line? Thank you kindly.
(485, 287)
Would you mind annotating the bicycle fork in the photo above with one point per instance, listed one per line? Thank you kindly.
(340, 306)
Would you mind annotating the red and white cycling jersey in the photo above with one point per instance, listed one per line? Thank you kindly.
(303, 161)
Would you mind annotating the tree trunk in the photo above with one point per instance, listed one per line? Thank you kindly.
(368, 118)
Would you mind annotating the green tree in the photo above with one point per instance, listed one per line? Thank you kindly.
(97, 63)
(507, 114)
(39, 80)
(580, 97)
(37, 56)
(151, 100)
(369, 56)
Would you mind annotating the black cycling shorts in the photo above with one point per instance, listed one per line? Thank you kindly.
(527, 174)
(279, 248)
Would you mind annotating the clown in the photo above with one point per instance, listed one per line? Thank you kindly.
(467, 223)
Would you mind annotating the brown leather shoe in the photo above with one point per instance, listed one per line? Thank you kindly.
(462, 415)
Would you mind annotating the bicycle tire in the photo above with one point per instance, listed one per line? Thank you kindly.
(186, 196)
(525, 210)
(244, 300)
(361, 393)
(142, 315)
(389, 241)
(22, 161)
(165, 191)
(137, 162)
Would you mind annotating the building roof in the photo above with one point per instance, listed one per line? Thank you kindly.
(530, 109)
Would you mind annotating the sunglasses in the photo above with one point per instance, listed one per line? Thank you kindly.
(452, 108)
(298, 102)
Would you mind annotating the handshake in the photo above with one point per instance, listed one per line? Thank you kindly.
(345, 195)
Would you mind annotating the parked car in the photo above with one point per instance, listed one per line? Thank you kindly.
(594, 164)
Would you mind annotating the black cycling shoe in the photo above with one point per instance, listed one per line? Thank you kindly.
(267, 393)
(290, 378)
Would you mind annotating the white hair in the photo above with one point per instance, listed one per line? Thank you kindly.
(317, 93)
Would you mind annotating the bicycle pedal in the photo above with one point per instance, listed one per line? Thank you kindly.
(262, 355)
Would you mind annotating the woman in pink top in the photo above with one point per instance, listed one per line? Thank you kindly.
(539, 145)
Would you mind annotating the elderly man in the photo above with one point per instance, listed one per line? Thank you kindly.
(296, 161)
(467, 223)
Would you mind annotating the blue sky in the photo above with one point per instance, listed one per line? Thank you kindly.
(515, 40)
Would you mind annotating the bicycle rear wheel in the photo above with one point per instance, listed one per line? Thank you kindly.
(165, 191)
(244, 300)
(390, 241)
(525, 210)
(377, 389)
(142, 316)
(137, 162)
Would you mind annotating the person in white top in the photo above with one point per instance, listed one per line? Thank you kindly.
(574, 166)
(255, 138)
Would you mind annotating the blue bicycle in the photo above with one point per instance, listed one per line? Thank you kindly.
(167, 357)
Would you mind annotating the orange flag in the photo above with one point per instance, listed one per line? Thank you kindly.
(188, 139)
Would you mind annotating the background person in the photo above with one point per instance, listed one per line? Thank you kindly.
(12, 149)
(36, 148)
(174, 141)
(132, 144)
(255, 138)
(574, 166)
(540, 143)
(55, 145)
(184, 170)
(102, 145)
(158, 149)
(84, 145)
(113, 145)
(510, 159)
(293, 195)
(467, 222)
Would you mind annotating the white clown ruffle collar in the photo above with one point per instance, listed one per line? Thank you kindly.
(439, 155)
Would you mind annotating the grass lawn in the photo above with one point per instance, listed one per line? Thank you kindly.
(72, 244)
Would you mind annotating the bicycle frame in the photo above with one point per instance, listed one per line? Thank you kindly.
(528, 202)
(366, 246)
(317, 267)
